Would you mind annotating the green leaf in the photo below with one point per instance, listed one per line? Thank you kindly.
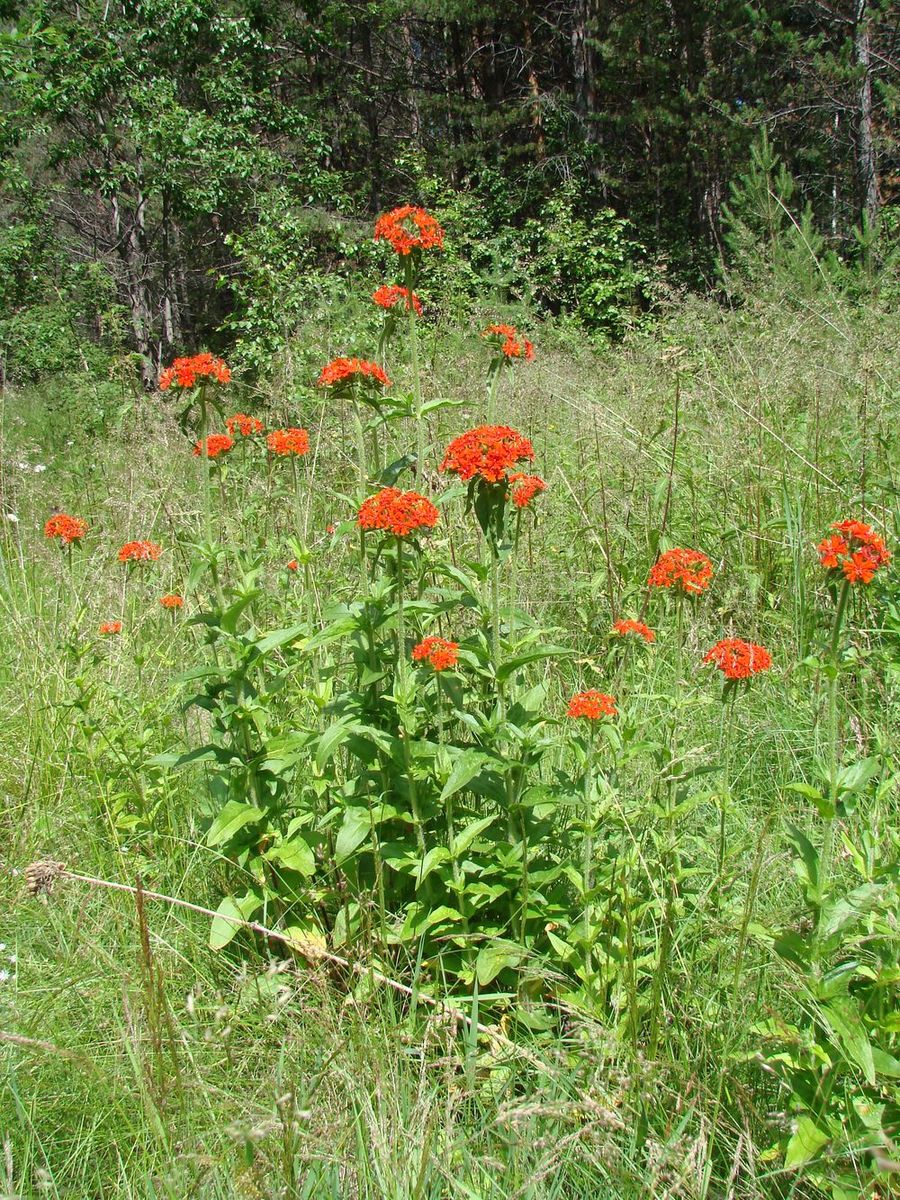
(855, 777)
(199, 754)
(353, 831)
(435, 405)
(435, 856)
(331, 739)
(528, 656)
(842, 1016)
(278, 637)
(469, 764)
(494, 958)
(805, 1143)
(808, 864)
(885, 1064)
(294, 855)
(467, 836)
(231, 820)
(241, 908)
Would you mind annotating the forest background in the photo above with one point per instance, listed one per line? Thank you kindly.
(184, 174)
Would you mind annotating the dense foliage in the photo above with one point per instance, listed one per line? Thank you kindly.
(181, 173)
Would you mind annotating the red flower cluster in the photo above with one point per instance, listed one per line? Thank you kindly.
(686, 570)
(188, 372)
(623, 628)
(396, 512)
(110, 627)
(593, 705)
(489, 451)
(439, 652)
(288, 441)
(172, 600)
(140, 552)
(69, 529)
(409, 228)
(342, 369)
(215, 444)
(293, 565)
(388, 296)
(737, 659)
(510, 345)
(244, 425)
(856, 550)
(526, 488)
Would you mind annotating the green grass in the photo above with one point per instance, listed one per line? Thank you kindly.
(138, 1063)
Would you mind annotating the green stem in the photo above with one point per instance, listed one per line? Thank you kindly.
(726, 734)
(401, 678)
(514, 583)
(309, 601)
(409, 271)
(827, 856)
(401, 621)
(362, 465)
(493, 380)
(495, 616)
(587, 854)
(204, 457)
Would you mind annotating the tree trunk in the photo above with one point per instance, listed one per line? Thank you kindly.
(130, 250)
(865, 146)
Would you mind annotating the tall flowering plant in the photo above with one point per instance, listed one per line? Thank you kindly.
(411, 232)
(485, 458)
(508, 346)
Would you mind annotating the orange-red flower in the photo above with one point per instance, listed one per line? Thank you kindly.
(244, 425)
(340, 370)
(489, 451)
(856, 550)
(592, 705)
(188, 372)
(396, 512)
(215, 444)
(409, 228)
(293, 565)
(507, 338)
(110, 627)
(172, 600)
(140, 552)
(638, 628)
(288, 441)
(438, 651)
(526, 487)
(737, 659)
(689, 571)
(67, 529)
(389, 296)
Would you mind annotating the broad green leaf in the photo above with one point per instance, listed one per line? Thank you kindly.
(354, 830)
(278, 637)
(885, 1064)
(467, 836)
(434, 857)
(331, 739)
(241, 908)
(842, 1016)
(231, 820)
(295, 855)
(805, 1143)
(199, 754)
(492, 960)
(808, 864)
(855, 777)
(469, 764)
(529, 656)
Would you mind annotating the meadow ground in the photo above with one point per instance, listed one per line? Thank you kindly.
(728, 1027)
